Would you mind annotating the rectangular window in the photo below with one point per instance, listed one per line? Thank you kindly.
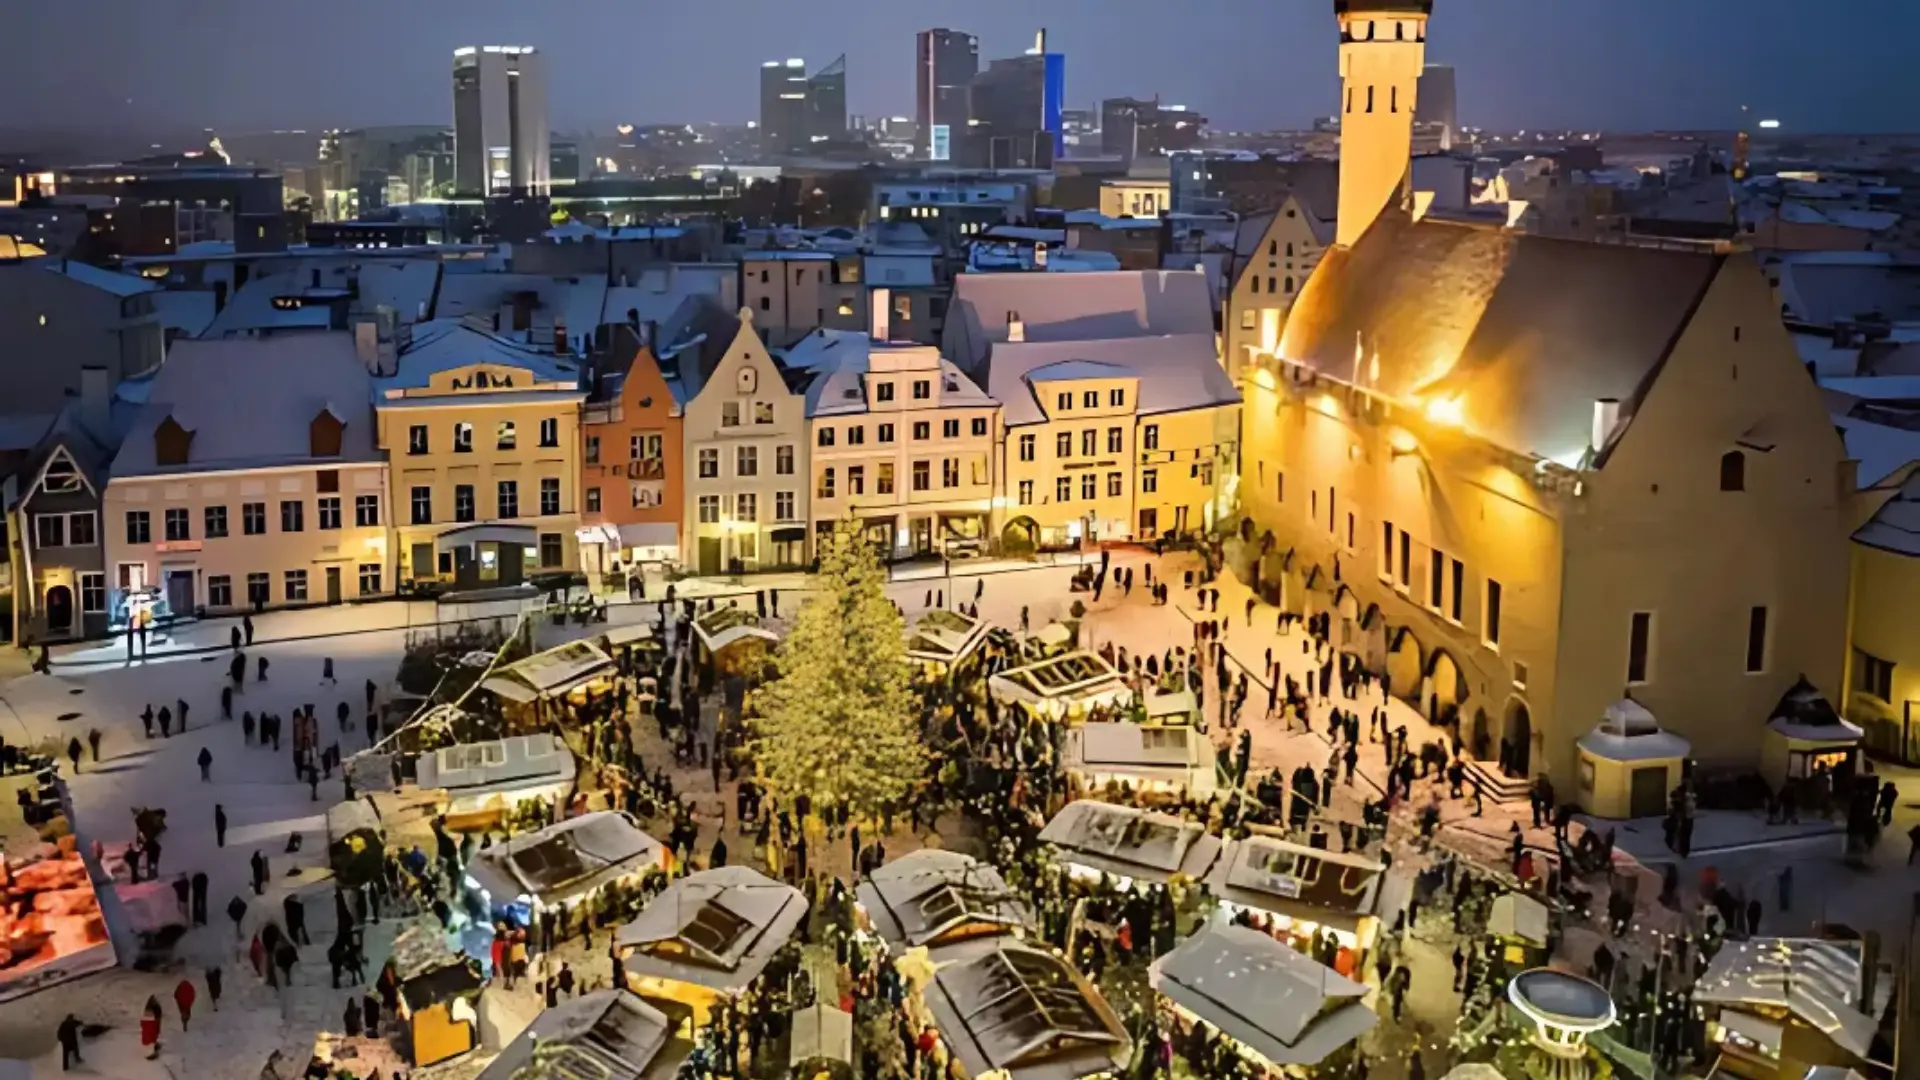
(1150, 437)
(1872, 676)
(746, 461)
(883, 391)
(1459, 588)
(93, 593)
(1756, 640)
(783, 461)
(1063, 489)
(220, 591)
(1386, 551)
(1149, 481)
(82, 529)
(1639, 647)
(922, 475)
(463, 503)
(783, 506)
(949, 472)
(293, 515)
(824, 489)
(296, 586)
(216, 522)
(883, 478)
(1089, 487)
(1117, 398)
(950, 429)
(593, 500)
(549, 496)
(369, 579)
(552, 550)
(922, 390)
(550, 432)
(824, 437)
(763, 413)
(1063, 402)
(856, 480)
(1114, 440)
(506, 499)
(50, 530)
(1027, 447)
(258, 589)
(729, 414)
(709, 459)
(1089, 442)
(1436, 579)
(1063, 444)
(1090, 399)
(979, 427)
(139, 527)
(856, 434)
(463, 438)
(646, 446)
(1491, 634)
(1406, 562)
(178, 524)
(884, 434)
(592, 452)
(504, 436)
(253, 518)
(417, 439)
(329, 509)
(422, 499)
(709, 509)
(922, 431)
(366, 511)
(1113, 485)
(1026, 493)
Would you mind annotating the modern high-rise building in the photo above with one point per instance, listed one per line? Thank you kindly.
(783, 106)
(1133, 128)
(946, 64)
(500, 141)
(1437, 103)
(1015, 109)
(827, 102)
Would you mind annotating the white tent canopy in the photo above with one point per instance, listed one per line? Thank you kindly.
(1514, 915)
(498, 766)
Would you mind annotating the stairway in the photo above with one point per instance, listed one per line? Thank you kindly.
(1496, 786)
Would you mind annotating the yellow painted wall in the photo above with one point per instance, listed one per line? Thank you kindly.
(1187, 459)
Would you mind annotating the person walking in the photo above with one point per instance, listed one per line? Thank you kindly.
(166, 722)
(206, 765)
(93, 743)
(213, 988)
(183, 995)
(219, 825)
(261, 674)
(68, 1034)
(73, 753)
(233, 638)
(150, 1027)
(326, 671)
(146, 719)
(246, 624)
(259, 866)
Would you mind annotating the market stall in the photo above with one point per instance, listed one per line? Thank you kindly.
(51, 926)
(605, 1035)
(734, 639)
(562, 865)
(934, 897)
(1776, 1005)
(708, 936)
(564, 671)
(1806, 737)
(635, 635)
(1171, 707)
(1094, 838)
(1283, 1012)
(1012, 1011)
(942, 640)
(1303, 891)
(1050, 640)
(1064, 687)
(1628, 764)
(1157, 760)
(499, 774)
(1519, 926)
(356, 842)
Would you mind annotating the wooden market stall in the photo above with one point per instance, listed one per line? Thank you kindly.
(1156, 760)
(1303, 891)
(562, 865)
(1094, 838)
(707, 937)
(733, 639)
(1064, 687)
(940, 640)
(1007, 1009)
(564, 672)
(1776, 1006)
(498, 774)
(604, 1034)
(440, 1007)
(933, 897)
(1806, 737)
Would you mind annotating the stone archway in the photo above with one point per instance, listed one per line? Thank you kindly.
(1404, 666)
(60, 610)
(1516, 740)
(1020, 536)
(1347, 633)
(1479, 738)
(1444, 689)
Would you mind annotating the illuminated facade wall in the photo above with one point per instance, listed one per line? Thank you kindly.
(1267, 283)
(745, 464)
(1072, 475)
(1381, 58)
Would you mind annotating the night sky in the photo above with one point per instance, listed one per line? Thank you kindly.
(248, 65)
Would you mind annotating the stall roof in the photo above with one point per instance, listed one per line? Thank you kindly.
(499, 763)
(609, 1035)
(1515, 915)
(1815, 979)
(931, 895)
(565, 860)
(1284, 878)
(1264, 994)
(1126, 842)
(1173, 703)
(1005, 1006)
(1074, 676)
(453, 979)
(1135, 746)
(717, 928)
(946, 637)
(550, 673)
(722, 627)
(1805, 713)
(626, 635)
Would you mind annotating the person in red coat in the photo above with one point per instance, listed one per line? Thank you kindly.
(183, 997)
(150, 1028)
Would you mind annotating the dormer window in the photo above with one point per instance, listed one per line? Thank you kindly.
(324, 434)
(171, 443)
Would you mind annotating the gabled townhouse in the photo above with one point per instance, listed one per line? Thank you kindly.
(1273, 256)
(249, 479)
(483, 436)
(901, 440)
(631, 464)
(58, 556)
(745, 437)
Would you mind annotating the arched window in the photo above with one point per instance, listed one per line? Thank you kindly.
(1733, 471)
(1270, 287)
(1273, 245)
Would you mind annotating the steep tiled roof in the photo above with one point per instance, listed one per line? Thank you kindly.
(1074, 307)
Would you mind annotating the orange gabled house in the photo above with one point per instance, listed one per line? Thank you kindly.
(630, 471)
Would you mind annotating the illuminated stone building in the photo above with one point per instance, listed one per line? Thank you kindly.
(1531, 476)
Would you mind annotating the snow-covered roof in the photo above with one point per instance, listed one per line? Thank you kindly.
(1073, 678)
(658, 291)
(1128, 842)
(945, 636)
(1176, 373)
(499, 764)
(449, 344)
(109, 281)
(1896, 527)
(1817, 980)
(566, 860)
(1628, 732)
(1074, 308)
(1264, 994)
(1881, 449)
(608, 1035)
(842, 359)
(575, 301)
(722, 627)
(1015, 1011)
(716, 928)
(550, 673)
(1284, 878)
(932, 895)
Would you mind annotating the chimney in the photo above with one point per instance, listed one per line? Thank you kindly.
(560, 337)
(880, 327)
(366, 345)
(96, 401)
(1606, 416)
(1040, 255)
(1016, 330)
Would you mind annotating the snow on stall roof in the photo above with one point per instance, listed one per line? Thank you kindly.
(565, 860)
(1287, 1006)
(1817, 980)
(922, 896)
(1130, 842)
(1010, 1009)
(716, 928)
(620, 1037)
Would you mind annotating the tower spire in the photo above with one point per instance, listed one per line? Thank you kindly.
(1383, 48)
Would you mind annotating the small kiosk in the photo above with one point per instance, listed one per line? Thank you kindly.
(439, 994)
(1628, 764)
(499, 774)
(1775, 1006)
(1008, 1010)
(1805, 737)
(1302, 892)
(1065, 687)
(933, 897)
(1094, 838)
(1282, 1012)
(941, 640)
(1157, 760)
(562, 865)
(1519, 926)
(734, 640)
(1167, 708)
(356, 842)
(708, 937)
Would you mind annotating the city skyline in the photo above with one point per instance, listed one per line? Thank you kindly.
(1253, 66)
